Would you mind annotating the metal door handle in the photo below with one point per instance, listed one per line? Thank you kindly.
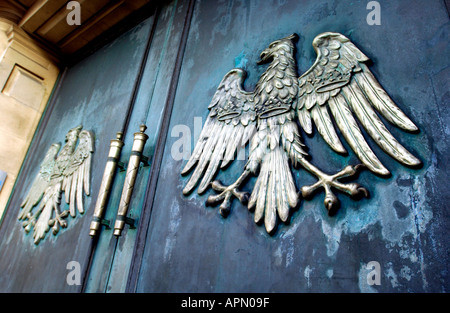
(108, 177)
(136, 158)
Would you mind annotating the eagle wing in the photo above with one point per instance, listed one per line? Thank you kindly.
(41, 182)
(76, 176)
(229, 126)
(340, 82)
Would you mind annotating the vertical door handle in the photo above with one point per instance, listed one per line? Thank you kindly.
(108, 177)
(136, 158)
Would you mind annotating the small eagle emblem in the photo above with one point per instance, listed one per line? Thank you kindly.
(338, 87)
(68, 172)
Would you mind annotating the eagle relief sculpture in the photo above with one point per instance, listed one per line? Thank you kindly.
(68, 172)
(338, 87)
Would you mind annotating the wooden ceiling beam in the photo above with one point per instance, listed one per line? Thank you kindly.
(39, 13)
(45, 21)
(110, 7)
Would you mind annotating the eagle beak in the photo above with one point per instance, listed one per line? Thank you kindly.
(294, 37)
(263, 57)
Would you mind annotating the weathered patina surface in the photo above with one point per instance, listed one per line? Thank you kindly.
(403, 225)
(187, 247)
(95, 93)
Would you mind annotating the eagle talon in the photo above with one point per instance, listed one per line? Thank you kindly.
(59, 219)
(225, 196)
(213, 199)
(331, 202)
(225, 208)
(358, 191)
(55, 229)
(29, 224)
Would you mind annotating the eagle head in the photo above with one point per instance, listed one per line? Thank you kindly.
(284, 46)
(72, 135)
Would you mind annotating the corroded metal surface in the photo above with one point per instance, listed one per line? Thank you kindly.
(185, 247)
(96, 93)
(403, 225)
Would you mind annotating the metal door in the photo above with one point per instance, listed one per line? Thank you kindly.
(111, 261)
(94, 93)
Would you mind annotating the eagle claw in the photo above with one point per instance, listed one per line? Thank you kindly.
(331, 202)
(225, 196)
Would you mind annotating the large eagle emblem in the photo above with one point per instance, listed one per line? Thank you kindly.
(338, 87)
(68, 172)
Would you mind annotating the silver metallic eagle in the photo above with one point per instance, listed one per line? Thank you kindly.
(68, 172)
(338, 87)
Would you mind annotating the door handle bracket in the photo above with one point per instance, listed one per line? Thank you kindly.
(102, 221)
(131, 222)
(122, 166)
(145, 161)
